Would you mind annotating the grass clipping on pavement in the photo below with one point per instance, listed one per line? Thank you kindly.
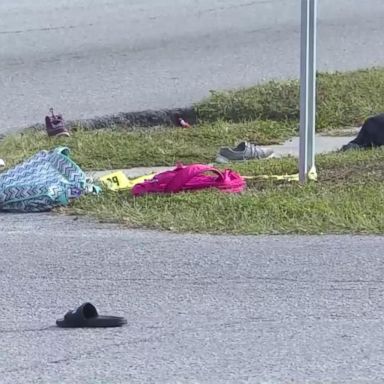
(346, 199)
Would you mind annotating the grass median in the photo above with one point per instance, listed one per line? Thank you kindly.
(347, 198)
(343, 99)
(114, 148)
(266, 114)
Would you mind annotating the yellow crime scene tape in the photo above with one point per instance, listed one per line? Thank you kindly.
(117, 181)
(312, 175)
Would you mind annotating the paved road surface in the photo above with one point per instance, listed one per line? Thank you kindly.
(201, 309)
(95, 57)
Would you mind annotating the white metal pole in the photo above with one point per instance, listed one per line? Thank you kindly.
(303, 165)
(307, 88)
(312, 83)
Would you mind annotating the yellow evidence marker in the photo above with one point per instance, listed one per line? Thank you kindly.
(117, 181)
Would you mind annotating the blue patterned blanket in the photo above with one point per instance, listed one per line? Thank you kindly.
(46, 180)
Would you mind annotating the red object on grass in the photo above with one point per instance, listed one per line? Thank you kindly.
(184, 123)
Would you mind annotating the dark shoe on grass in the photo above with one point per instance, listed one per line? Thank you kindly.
(55, 126)
(350, 146)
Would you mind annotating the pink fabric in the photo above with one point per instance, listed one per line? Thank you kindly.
(191, 177)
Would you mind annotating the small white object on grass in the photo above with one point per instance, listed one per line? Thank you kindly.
(2, 163)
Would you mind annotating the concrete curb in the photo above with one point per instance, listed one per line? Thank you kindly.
(131, 121)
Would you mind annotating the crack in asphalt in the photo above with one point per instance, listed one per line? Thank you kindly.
(79, 356)
(26, 330)
(44, 29)
(207, 280)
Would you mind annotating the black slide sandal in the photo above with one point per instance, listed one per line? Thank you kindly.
(86, 316)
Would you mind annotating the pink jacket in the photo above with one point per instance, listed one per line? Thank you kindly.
(191, 177)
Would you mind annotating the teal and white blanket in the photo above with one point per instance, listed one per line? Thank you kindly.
(48, 179)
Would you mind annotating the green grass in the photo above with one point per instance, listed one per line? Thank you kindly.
(266, 114)
(108, 149)
(346, 199)
(344, 99)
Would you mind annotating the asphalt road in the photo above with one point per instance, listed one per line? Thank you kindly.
(200, 309)
(96, 57)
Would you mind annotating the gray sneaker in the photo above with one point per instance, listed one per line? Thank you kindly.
(244, 151)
